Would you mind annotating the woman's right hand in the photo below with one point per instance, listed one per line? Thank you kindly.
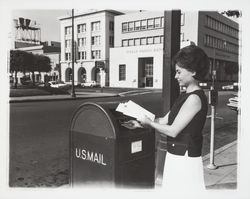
(158, 120)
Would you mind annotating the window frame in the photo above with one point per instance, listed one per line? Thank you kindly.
(122, 72)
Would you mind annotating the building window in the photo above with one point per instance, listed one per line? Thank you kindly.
(149, 69)
(95, 54)
(143, 24)
(162, 39)
(221, 44)
(81, 42)
(131, 26)
(131, 42)
(124, 43)
(68, 30)
(140, 25)
(67, 43)
(81, 28)
(111, 26)
(150, 40)
(157, 22)
(124, 27)
(137, 25)
(67, 56)
(143, 41)
(122, 72)
(221, 27)
(82, 55)
(96, 40)
(157, 40)
(111, 41)
(150, 24)
(137, 42)
(96, 26)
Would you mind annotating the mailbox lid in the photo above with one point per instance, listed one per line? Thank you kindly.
(93, 119)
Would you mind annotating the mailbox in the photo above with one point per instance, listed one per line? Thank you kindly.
(104, 152)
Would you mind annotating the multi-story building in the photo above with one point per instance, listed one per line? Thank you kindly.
(93, 35)
(137, 57)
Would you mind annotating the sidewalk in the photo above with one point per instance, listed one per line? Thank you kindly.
(79, 95)
(225, 176)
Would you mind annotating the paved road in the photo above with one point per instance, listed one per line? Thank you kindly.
(39, 137)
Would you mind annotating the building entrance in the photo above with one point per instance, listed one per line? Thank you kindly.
(68, 75)
(82, 75)
(145, 72)
(96, 74)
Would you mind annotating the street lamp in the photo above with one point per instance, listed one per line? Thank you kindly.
(73, 56)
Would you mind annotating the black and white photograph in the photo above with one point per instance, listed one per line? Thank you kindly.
(124, 101)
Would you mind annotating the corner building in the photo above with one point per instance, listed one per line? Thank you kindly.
(93, 35)
(137, 57)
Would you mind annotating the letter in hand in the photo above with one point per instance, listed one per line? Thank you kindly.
(145, 121)
(132, 124)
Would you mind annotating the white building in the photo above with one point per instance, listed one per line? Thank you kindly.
(93, 35)
(137, 58)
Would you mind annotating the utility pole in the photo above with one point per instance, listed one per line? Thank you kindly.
(73, 56)
(213, 98)
(170, 86)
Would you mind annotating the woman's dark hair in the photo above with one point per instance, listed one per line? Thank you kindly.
(194, 59)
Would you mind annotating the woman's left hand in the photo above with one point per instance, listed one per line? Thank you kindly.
(145, 120)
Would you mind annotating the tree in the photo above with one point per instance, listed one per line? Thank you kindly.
(46, 63)
(16, 63)
(231, 69)
(42, 63)
(232, 13)
(21, 61)
(29, 63)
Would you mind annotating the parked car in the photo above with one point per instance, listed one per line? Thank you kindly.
(233, 86)
(90, 84)
(233, 103)
(55, 84)
(228, 87)
(25, 80)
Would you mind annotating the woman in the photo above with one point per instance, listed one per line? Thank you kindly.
(183, 124)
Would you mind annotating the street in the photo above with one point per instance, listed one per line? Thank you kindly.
(39, 132)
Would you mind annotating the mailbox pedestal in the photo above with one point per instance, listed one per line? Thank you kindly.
(103, 152)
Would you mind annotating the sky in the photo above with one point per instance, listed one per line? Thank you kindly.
(46, 19)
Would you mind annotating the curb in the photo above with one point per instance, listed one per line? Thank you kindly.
(136, 92)
(59, 99)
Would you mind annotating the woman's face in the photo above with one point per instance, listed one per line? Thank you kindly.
(183, 76)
